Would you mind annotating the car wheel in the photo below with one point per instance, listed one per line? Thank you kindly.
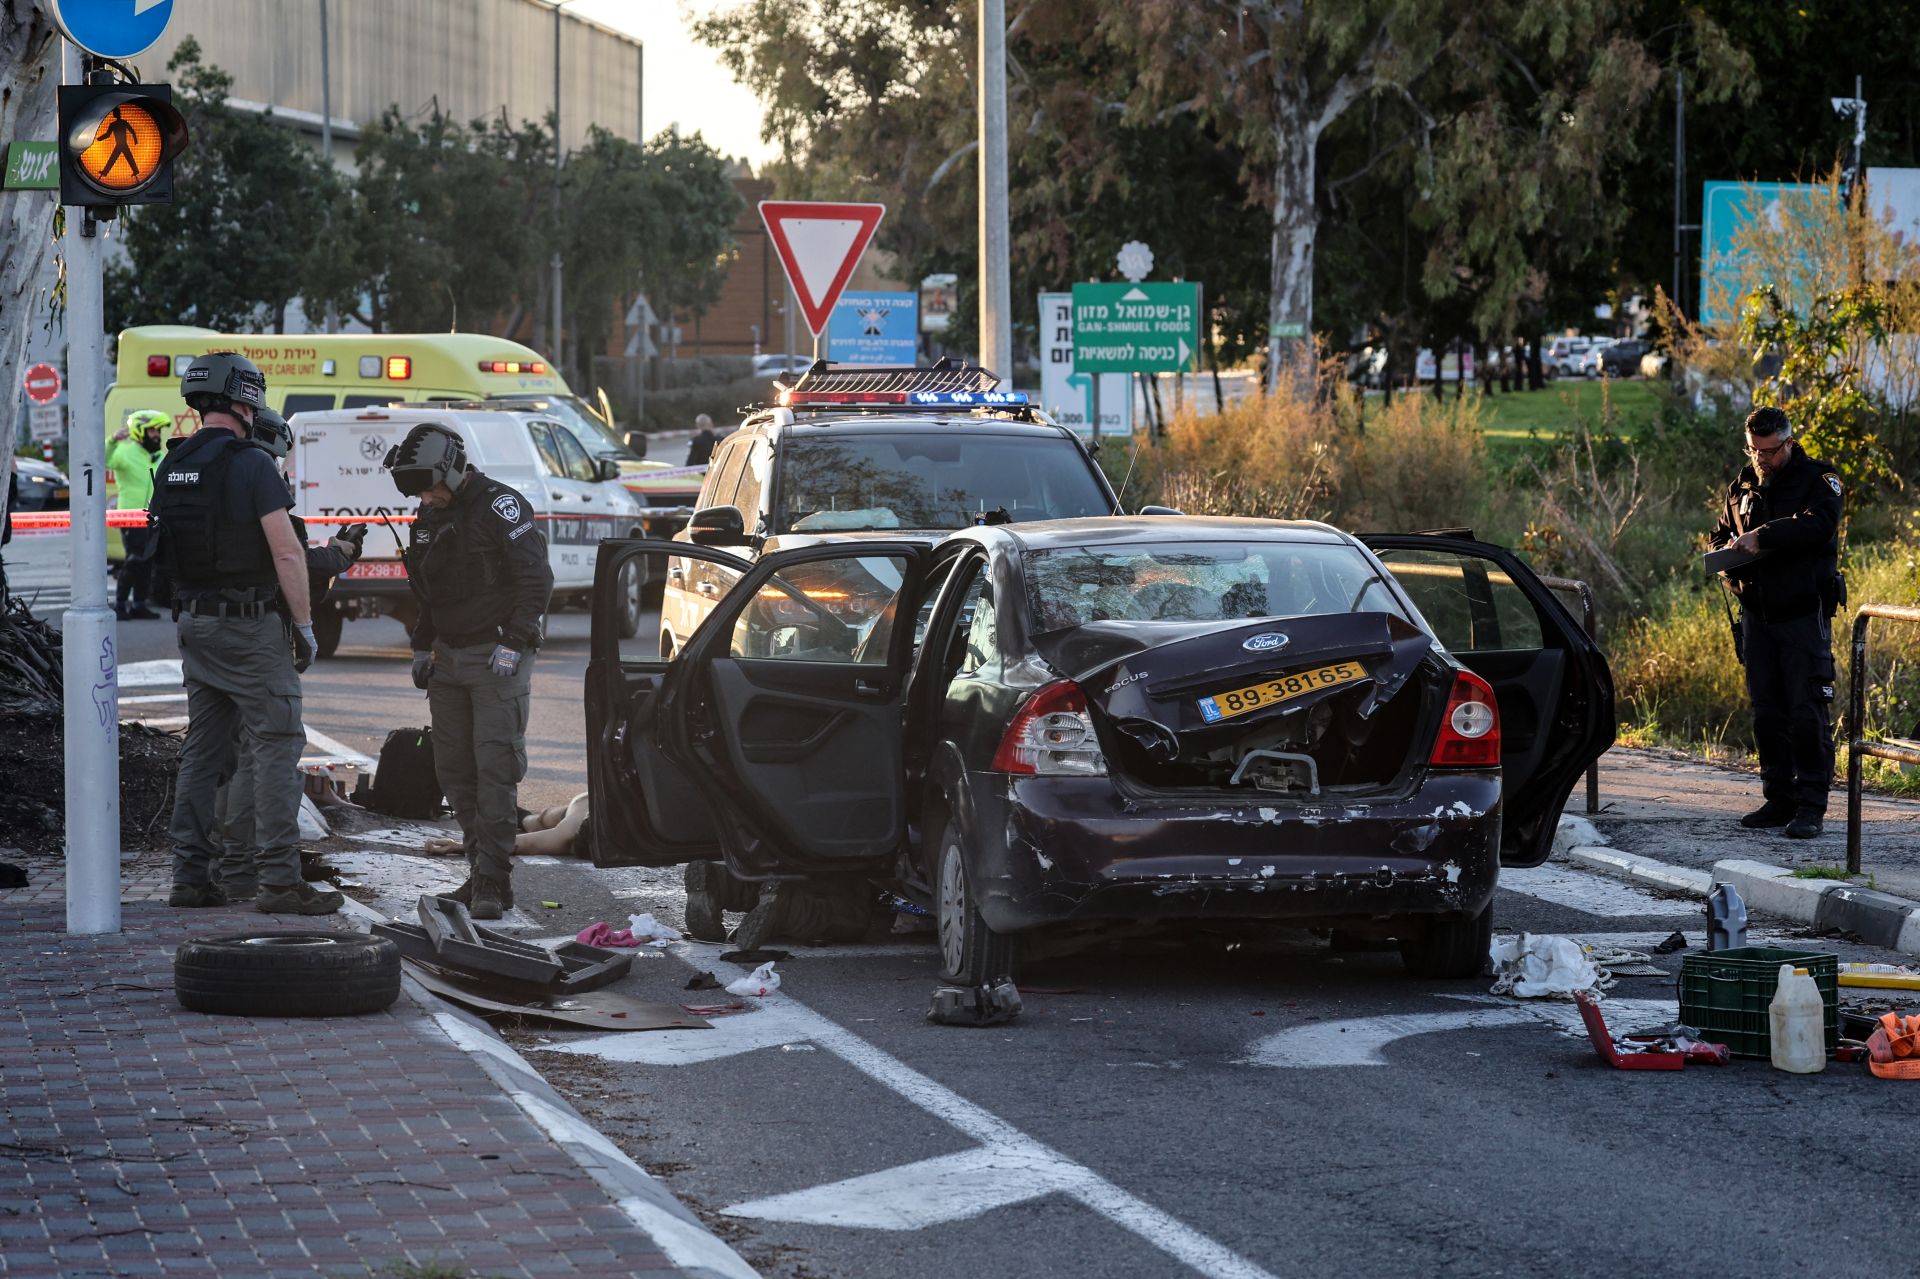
(629, 613)
(666, 646)
(971, 954)
(287, 974)
(328, 621)
(1448, 946)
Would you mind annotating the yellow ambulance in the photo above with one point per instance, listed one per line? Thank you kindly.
(317, 371)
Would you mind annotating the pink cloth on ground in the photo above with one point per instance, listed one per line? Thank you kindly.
(604, 934)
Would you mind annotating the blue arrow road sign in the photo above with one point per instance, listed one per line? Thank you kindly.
(112, 28)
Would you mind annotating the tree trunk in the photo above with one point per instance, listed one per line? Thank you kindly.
(29, 70)
(1213, 366)
(1536, 376)
(1295, 224)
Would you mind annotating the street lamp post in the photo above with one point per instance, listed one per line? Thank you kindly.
(332, 323)
(557, 353)
(996, 286)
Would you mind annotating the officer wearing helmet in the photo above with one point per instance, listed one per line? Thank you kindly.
(245, 627)
(132, 455)
(478, 567)
(236, 868)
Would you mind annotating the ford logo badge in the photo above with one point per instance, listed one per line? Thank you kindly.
(1269, 642)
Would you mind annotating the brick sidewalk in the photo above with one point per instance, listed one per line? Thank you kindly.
(137, 1138)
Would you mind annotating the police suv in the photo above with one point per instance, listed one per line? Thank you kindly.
(338, 479)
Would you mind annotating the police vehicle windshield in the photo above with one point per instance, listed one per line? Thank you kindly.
(928, 481)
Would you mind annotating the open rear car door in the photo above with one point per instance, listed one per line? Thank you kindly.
(1503, 623)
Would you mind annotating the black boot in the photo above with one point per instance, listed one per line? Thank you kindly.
(764, 920)
(706, 901)
(492, 898)
(1775, 812)
(1805, 825)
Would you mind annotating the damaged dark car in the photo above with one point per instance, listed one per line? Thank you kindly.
(1077, 722)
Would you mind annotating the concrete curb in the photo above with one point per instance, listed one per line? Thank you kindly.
(1641, 870)
(681, 1236)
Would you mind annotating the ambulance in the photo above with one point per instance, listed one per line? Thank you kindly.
(317, 372)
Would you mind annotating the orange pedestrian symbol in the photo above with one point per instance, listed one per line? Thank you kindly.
(126, 149)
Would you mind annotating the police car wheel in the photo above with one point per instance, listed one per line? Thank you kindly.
(628, 613)
(327, 623)
(287, 974)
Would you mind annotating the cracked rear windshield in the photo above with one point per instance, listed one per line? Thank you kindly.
(928, 481)
(1200, 582)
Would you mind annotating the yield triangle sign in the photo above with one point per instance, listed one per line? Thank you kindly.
(819, 244)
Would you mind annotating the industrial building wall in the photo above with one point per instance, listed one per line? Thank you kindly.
(474, 57)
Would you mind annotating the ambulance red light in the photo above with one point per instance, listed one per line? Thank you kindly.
(159, 366)
(399, 367)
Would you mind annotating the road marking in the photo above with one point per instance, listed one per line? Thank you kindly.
(1363, 1041)
(335, 750)
(157, 674)
(153, 698)
(767, 1027)
(1589, 893)
(1154, 1226)
(915, 1196)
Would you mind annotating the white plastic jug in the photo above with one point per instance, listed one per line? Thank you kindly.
(1799, 1021)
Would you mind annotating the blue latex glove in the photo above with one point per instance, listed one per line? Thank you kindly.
(305, 646)
(505, 661)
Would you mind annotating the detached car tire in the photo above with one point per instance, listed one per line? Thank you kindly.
(287, 974)
(1448, 946)
(971, 954)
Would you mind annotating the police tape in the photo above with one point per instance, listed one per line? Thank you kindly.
(61, 521)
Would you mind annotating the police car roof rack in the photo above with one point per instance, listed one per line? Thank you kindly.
(945, 385)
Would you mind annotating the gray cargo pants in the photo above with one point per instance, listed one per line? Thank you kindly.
(236, 869)
(243, 702)
(480, 749)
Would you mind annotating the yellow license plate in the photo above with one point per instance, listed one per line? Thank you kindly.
(1281, 688)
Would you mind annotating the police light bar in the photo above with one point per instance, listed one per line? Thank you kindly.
(910, 399)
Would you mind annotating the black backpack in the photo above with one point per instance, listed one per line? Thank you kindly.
(405, 784)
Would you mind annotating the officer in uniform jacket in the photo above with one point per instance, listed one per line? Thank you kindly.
(1785, 507)
(246, 632)
(478, 567)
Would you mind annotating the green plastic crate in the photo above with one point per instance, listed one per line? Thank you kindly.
(1725, 993)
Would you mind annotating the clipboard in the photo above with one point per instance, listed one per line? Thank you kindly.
(1727, 559)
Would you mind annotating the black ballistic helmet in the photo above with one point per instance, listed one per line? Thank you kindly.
(429, 455)
(271, 432)
(218, 380)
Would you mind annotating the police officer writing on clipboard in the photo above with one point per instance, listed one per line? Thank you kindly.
(478, 567)
(1784, 511)
(246, 632)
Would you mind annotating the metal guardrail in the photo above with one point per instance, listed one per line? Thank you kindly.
(1588, 619)
(1901, 750)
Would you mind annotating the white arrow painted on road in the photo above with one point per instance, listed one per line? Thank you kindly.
(766, 1027)
(1363, 1041)
(929, 1193)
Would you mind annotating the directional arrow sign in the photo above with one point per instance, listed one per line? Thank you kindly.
(1135, 328)
(819, 245)
(112, 28)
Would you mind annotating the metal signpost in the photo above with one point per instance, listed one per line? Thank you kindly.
(111, 29)
(1135, 328)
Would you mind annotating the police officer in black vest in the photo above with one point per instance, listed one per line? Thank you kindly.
(246, 632)
(1785, 509)
(478, 567)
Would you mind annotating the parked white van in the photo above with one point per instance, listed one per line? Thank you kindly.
(338, 479)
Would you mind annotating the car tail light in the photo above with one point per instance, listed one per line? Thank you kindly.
(1470, 731)
(399, 367)
(1052, 735)
(159, 366)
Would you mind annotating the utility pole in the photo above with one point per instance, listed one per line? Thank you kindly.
(1856, 106)
(332, 324)
(556, 353)
(1679, 184)
(996, 281)
(92, 683)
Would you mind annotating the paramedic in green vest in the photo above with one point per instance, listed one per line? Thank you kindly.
(132, 455)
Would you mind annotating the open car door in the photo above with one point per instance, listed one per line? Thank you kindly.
(1503, 623)
(785, 709)
(643, 809)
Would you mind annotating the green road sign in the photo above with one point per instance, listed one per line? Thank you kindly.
(1135, 328)
(32, 166)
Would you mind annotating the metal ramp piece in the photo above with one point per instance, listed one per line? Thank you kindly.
(448, 939)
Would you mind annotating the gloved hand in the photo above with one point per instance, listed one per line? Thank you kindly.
(422, 670)
(305, 646)
(505, 661)
(352, 542)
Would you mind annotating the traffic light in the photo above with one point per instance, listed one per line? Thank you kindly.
(117, 143)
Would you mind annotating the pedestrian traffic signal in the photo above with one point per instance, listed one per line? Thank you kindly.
(117, 143)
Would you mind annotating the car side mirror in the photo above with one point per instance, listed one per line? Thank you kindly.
(1159, 510)
(717, 526)
(606, 468)
(636, 442)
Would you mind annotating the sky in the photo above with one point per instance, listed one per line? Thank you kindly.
(686, 85)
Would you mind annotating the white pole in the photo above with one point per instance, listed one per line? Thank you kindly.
(555, 354)
(92, 668)
(332, 322)
(996, 283)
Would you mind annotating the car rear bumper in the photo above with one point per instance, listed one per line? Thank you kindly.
(1059, 850)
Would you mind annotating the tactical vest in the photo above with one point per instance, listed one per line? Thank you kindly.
(203, 550)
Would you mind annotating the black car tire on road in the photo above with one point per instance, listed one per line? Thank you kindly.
(1447, 946)
(287, 974)
(631, 611)
(971, 954)
(328, 621)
